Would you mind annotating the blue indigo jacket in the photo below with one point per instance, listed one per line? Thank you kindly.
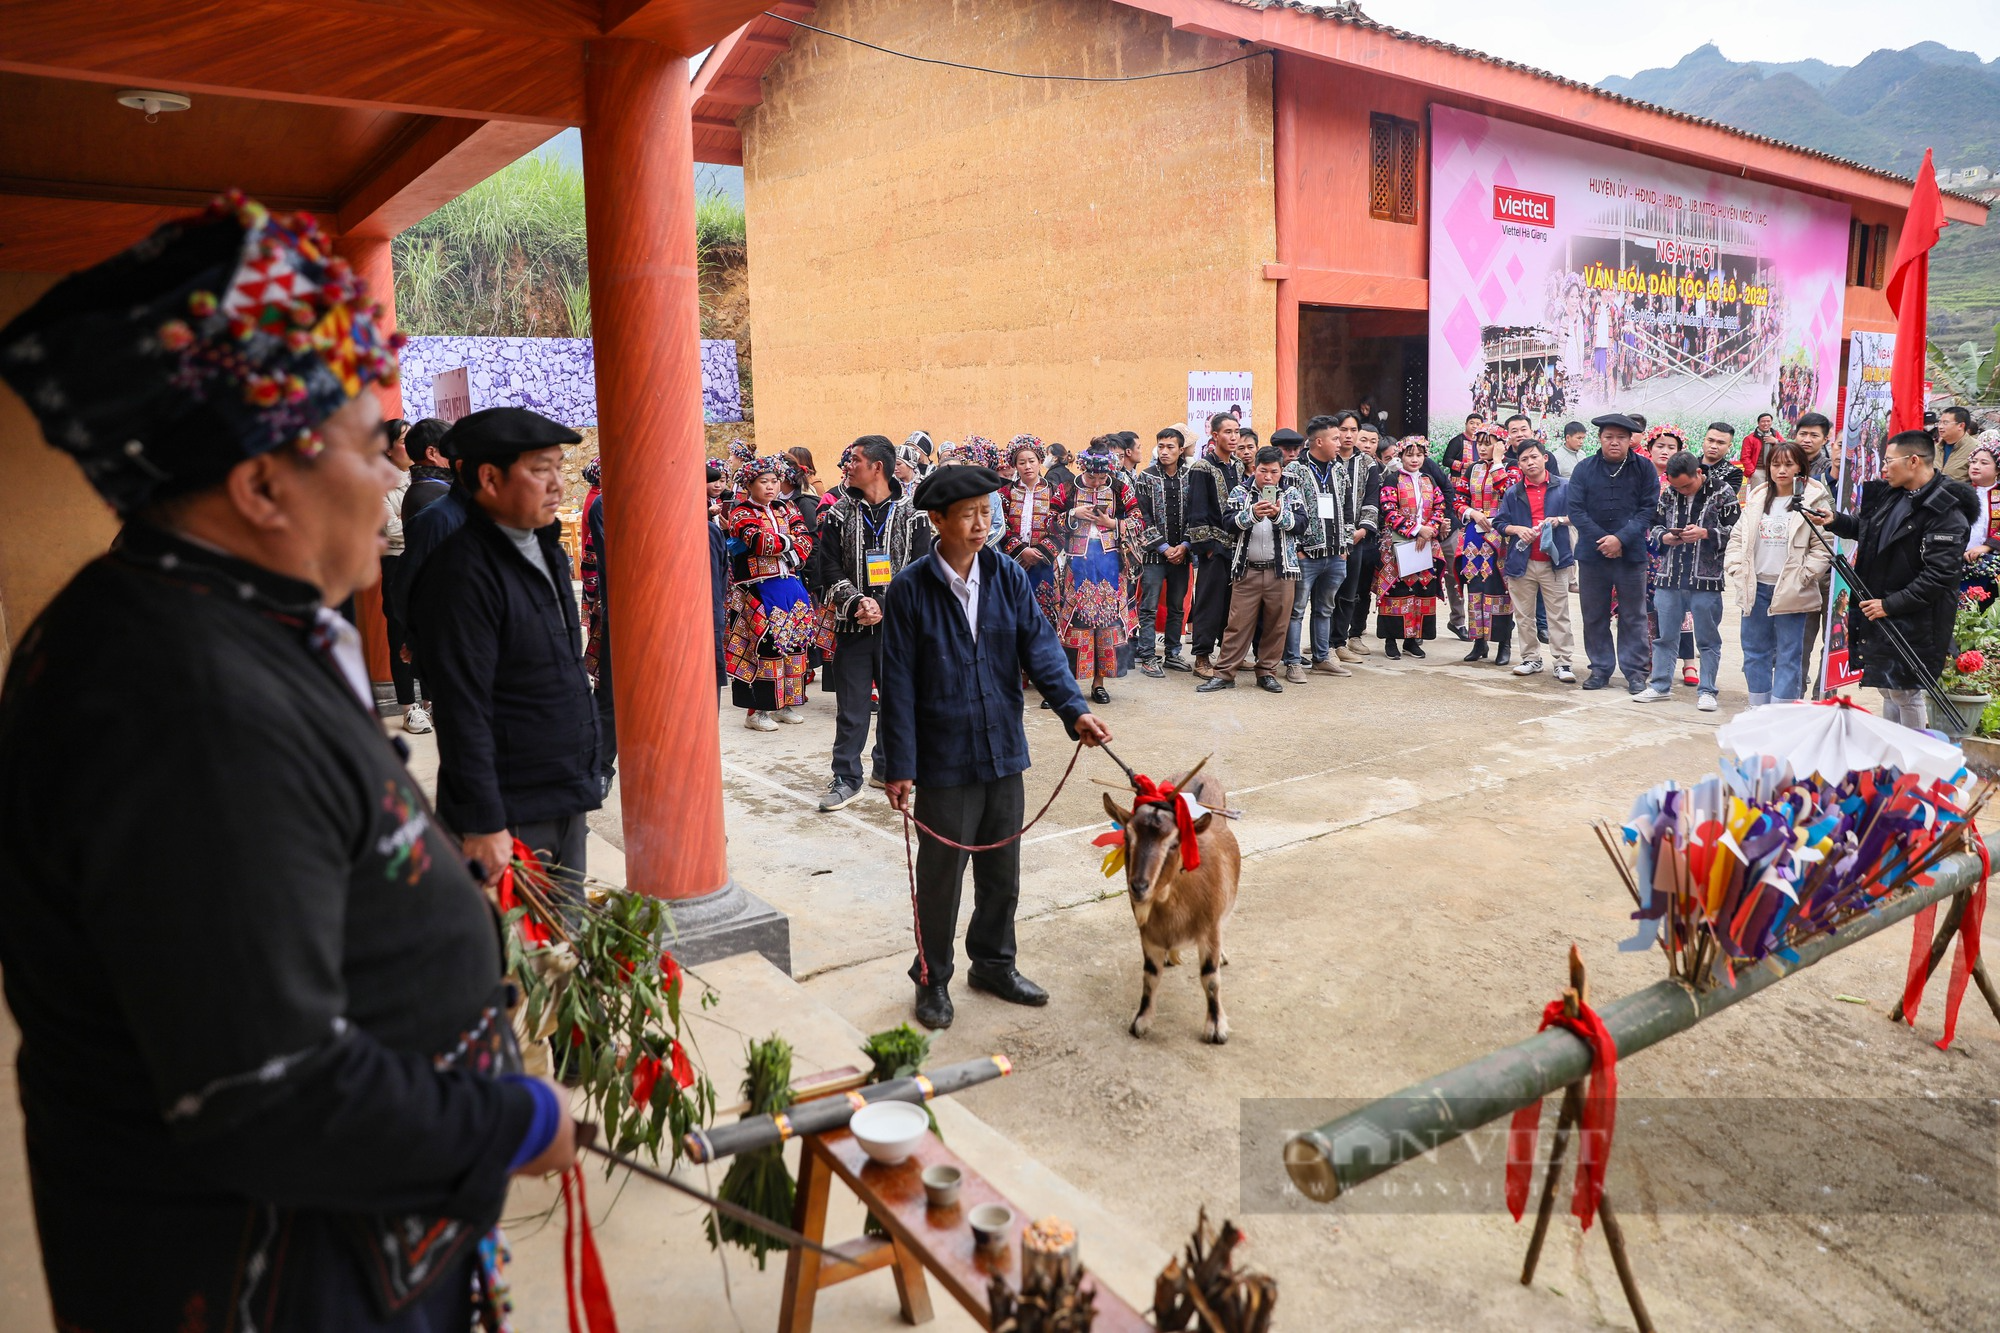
(1515, 513)
(951, 704)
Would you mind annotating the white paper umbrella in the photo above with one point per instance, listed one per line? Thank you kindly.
(1835, 739)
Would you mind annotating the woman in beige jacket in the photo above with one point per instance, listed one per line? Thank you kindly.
(1778, 569)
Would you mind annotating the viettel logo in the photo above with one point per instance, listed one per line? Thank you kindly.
(1512, 205)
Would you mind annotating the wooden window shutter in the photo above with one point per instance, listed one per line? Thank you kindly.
(1382, 168)
(1409, 155)
(1857, 245)
(1879, 269)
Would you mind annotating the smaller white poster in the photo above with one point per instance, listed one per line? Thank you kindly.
(451, 394)
(1212, 391)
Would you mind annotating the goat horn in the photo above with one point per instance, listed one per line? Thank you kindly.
(1182, 784)
(1115, 786)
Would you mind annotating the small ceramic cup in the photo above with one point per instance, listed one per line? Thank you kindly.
(941, 1185)
(992, 1225)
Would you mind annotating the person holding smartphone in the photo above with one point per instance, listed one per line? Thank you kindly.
(1692, 521)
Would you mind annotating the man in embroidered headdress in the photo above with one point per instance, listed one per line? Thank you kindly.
(265, 1066)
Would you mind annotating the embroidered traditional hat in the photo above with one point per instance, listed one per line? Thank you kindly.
(919, 440)
(979, 452)
(948, 485)
(775, 465)
(1666, 429)
(1096, 460)
(1021, 439)
(217, 338)
(501, 432)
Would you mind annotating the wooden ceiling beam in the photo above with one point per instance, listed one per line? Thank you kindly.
(447, 157)
(288, 51)
(190, 199)
(686, 26)
(577, 20)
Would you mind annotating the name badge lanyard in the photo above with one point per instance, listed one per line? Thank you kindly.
(1325, 479)
(876, 558)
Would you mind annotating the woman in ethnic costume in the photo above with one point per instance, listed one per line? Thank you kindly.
(1982, 548)
(1482, 552)
(772, 621)
(1034, 510)
(1413, 509)
(1096, 616)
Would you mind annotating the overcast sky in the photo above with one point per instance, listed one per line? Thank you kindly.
(1587, 39)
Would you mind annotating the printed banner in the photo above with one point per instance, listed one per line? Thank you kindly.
(1864, 435)
(1212, 391)
(451, 395)
(555, 376)
(1569, 279)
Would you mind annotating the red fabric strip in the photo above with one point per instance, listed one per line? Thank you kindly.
(580, 1246)
(1594, 1130)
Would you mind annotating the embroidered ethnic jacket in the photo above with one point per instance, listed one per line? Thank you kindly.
(1045, 524)
(1411, 502)
(1285, 528)
(1162, 510)
(767, 543)
(1124, 508)
(1347, 484)
(1210, 480)
(838, 572)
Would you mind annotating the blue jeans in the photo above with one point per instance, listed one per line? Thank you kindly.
(1673, 606)
(1774, 651)
(1319, 587)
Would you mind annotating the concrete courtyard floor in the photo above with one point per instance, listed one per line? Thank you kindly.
(1417, 860)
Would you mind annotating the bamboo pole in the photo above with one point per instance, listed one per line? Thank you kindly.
(1426, 1115)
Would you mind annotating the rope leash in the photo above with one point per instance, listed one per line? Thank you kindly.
(910, 856)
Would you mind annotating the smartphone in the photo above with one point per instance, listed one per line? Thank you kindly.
(1268, 494)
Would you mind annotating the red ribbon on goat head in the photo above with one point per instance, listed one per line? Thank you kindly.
(1148, 792)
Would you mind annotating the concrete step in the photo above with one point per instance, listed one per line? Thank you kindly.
(663, 1275)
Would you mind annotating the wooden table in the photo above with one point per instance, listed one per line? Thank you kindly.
(920, 1237)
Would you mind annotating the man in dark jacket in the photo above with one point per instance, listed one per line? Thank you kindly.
(1535, 516)
(436, 516)
(277, 1059)
(497, 632)
(1211, 478)
(867, 537)
(430, 466)
(1911, 531)
(959, 627)
(1695, 513)
(1612, 498)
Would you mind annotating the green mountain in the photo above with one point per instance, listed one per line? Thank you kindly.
(1884, 112)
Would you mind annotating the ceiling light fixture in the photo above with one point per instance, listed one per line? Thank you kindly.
(153, 102)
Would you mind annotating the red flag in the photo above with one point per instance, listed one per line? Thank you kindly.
(1909, 296)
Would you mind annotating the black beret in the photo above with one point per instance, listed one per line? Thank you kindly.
(1617, 421)
(501, 432)
(1286, 436)
(948, 485)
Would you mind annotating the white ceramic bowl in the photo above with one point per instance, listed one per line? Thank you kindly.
(889, 1131)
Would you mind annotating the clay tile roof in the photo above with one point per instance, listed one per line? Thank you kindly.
(1349, 12)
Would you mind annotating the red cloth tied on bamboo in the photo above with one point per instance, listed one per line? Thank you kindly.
(585, 1291)
(1964, 958)
(1600, 1114)
(1165, 793)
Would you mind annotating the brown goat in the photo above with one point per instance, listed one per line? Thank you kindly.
(1176, 907)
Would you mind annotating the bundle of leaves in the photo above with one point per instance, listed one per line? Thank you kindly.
(758, 1179)
(897, 1053)
(593, 971)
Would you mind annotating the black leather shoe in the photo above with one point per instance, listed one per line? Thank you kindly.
(1011, 987)
(1505, 656)
(1270, 685)
(1464, 634)
(1478, 653)
(1175, 662)
(1214, 683)
(934, 1007)
(1414, 647)
(1391, 649)
(1100, 695)
(1596, 682)
(1047, 704)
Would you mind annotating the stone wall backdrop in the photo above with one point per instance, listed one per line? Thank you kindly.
(555, 376)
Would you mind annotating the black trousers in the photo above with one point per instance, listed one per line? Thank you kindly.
(1350, 606)
(558, 844)
(403, 673)
(607, 707)
(1153, 580)
(857, 660)
(980, 813)
(1211, 602)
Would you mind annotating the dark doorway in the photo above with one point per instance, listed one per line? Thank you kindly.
(1347, 354)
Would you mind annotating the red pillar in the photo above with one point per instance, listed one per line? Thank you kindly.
(370, 257)
(638, 172)
(1284, 217)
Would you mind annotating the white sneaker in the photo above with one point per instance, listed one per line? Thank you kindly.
(1649, 695)
(416, 721)
(1565, 675)
(1530, 667)
(756, 721)
(790, 716)
(1707, 703)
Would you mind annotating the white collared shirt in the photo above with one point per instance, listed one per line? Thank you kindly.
(966, 590)
(1027, 511)
(345, 649)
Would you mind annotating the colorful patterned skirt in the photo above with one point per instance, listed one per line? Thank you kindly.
(1046, 580)
(1489, 609)
(1406, 608)
(1096, 617)
(772, 623)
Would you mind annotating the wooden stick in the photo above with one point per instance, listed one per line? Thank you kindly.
(1571, 1108)
(1614, 1236)
(1610, 845)
(1986, 986)
(1940, 943)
